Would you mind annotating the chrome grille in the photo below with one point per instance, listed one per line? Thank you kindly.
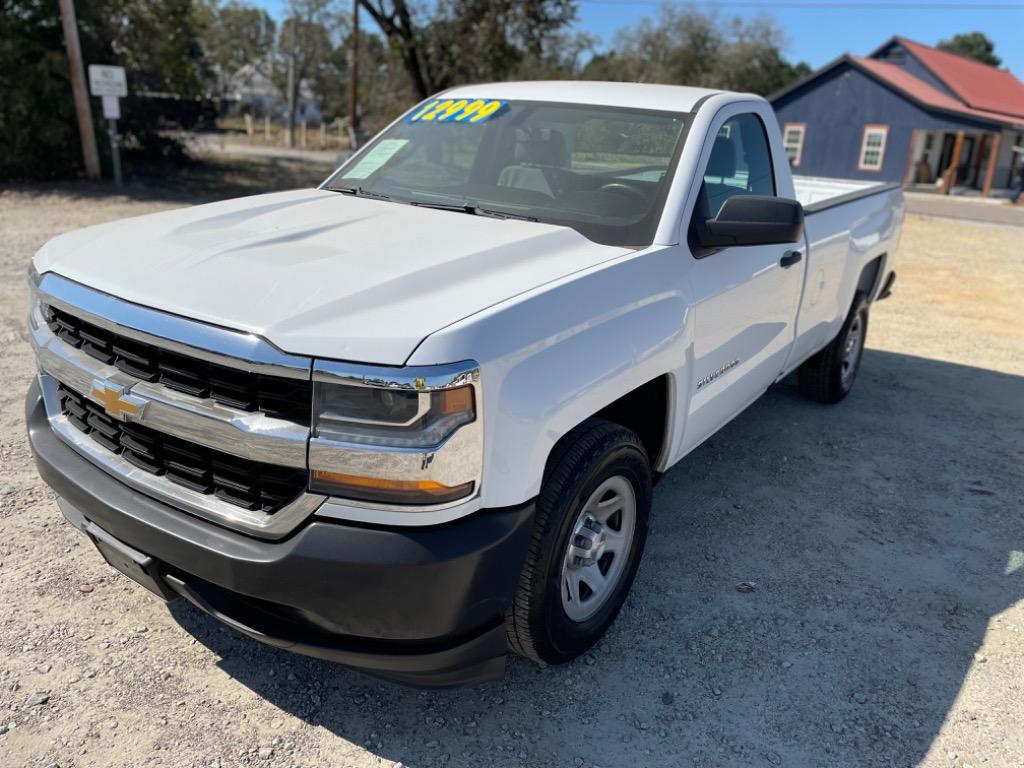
(247, 484)
(277, 397)
(216, 423)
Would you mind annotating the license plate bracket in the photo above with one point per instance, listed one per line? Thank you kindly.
(136, 565)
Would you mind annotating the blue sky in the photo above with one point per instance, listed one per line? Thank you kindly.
(818, 34)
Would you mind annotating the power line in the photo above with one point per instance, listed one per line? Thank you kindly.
(819, 5)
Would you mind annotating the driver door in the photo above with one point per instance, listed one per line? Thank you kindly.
(745, 297)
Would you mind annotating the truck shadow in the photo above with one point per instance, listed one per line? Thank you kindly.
(883, 539)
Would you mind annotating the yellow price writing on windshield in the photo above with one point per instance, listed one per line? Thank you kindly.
(458, 111)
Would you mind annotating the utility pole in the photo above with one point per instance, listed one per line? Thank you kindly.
(353, 73)
(85, 129)
(289, 138)
(115, 150)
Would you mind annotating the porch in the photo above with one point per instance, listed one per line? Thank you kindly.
(973, 163)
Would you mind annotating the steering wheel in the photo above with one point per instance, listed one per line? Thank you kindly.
(619, 188)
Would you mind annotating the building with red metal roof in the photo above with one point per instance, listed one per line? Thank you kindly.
(910, 113)
(977, 85)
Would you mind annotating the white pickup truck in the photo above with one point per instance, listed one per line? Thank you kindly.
(410, 420)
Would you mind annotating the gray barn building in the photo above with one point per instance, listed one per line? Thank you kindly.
(907, 113)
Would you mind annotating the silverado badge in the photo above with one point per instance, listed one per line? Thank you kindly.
(717, 373)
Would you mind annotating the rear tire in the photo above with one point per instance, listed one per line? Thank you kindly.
(828, 376)
(590, 528)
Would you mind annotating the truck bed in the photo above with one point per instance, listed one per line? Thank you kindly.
(817, 193)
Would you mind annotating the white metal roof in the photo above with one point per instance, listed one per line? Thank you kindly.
(672, 98)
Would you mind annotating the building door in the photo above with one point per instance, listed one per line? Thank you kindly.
(1016, 160)
(963, 168)
(948, 140)
(963, 171)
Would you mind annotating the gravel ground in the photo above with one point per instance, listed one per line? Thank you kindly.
(883, 535)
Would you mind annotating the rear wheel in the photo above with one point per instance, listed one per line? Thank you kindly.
(589, 534)
(828, 377)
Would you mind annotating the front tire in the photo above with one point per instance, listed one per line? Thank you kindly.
(829, 375)
(589, 534)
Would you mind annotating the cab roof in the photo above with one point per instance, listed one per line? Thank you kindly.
(667, 98)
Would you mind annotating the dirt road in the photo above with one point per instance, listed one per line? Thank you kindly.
(885, 537)
(995, 211)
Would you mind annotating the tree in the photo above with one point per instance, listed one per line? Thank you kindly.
(155, 40)
(384, 90)
(471, 40)
(562, 57)
(687, 47)
(973, 45)
(38, 130)
(751, 59)
(480, 40)
(395, 21)
(158, 42)
(234, 35)
(305, 46)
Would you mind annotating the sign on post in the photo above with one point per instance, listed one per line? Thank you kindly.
(107, 81)
(111, 108)
(111, 84)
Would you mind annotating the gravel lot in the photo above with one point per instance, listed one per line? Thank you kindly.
(883, 535)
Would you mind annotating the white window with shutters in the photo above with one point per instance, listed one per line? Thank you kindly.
(872, 148)
(793, 141)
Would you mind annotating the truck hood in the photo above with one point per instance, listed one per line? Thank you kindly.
(318, 273)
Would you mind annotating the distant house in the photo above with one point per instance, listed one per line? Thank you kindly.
(251, 87)
(907, 113)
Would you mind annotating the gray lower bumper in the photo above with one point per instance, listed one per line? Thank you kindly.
(419, 605)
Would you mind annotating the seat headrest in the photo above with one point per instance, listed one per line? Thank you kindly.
(722, 162)
(545, 147)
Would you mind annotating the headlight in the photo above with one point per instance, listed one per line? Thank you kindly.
(389, 417)
(395, 436)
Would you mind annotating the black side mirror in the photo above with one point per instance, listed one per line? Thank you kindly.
(753, 220)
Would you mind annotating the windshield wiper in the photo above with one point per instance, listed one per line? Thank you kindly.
(359, 192)
(473, 209)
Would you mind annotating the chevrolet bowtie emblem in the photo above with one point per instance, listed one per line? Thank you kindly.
(116, 400)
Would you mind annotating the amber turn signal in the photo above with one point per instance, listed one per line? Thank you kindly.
(382, 490)
(458, 400)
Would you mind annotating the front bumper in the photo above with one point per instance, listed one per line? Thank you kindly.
(423, 606)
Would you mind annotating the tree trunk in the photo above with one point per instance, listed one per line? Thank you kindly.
(415, 70)
(413, 63)
(399, 30)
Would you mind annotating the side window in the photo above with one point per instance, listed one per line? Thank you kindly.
(740, 164)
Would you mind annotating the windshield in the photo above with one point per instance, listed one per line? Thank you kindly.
(604, 171)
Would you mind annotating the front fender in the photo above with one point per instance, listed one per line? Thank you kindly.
(553, 357)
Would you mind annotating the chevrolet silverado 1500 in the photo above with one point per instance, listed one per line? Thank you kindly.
(410, 420)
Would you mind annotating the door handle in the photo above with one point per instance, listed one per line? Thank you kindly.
(791, 258)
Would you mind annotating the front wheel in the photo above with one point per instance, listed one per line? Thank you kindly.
(828, 376)
(589, 534)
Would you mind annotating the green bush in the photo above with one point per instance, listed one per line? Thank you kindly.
(153, 39)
